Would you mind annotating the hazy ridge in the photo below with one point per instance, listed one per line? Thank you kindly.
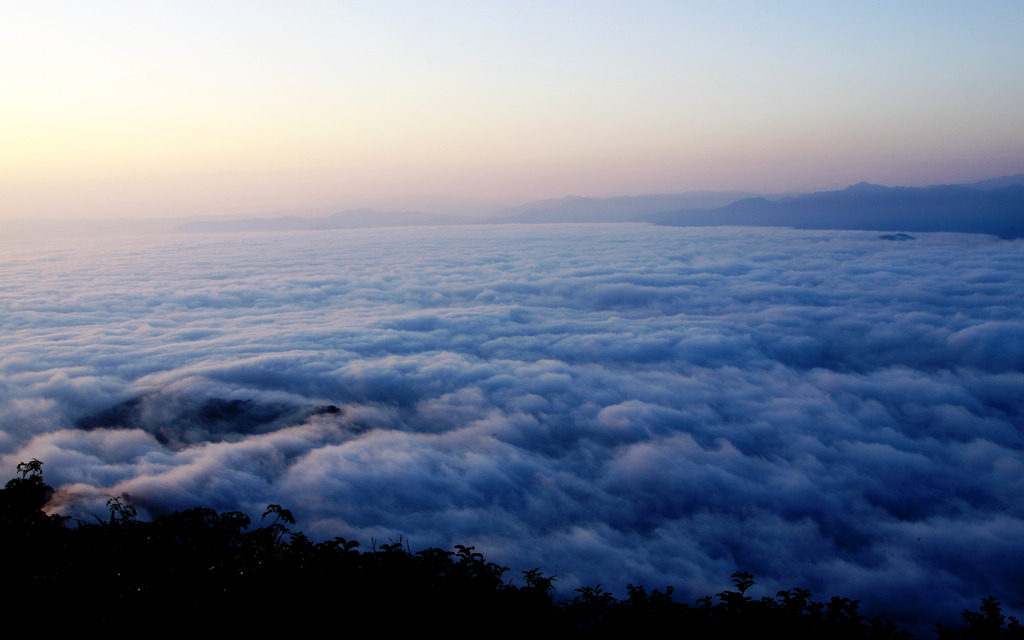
(997, 211)
(994, 206)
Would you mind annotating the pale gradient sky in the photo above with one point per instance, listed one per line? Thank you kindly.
(143, 109)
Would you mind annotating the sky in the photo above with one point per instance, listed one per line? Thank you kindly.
(150, 109)
(613, 404)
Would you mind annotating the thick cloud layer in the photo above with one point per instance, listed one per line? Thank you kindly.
(614, 404)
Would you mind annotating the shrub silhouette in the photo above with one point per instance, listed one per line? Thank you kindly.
(23, 498)
(201, 570)
(988, 623)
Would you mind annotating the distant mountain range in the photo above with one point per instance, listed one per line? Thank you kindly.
(993, 206)
(618, 209)
(567, 209)
(986, 207)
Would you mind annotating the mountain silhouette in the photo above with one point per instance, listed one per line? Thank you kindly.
(996, 210)
(616, 209)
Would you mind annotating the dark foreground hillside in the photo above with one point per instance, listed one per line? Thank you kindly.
(202, 571)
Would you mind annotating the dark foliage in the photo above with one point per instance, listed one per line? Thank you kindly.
(199, 570)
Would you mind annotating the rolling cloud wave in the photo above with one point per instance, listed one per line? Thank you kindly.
(615, 404)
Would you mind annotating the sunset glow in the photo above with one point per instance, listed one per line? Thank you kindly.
(142, 109)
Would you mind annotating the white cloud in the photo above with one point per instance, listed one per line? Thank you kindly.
(613, 404)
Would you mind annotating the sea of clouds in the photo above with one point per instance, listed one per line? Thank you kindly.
(611, 403)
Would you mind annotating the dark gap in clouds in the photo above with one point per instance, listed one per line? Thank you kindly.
(179, 421)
